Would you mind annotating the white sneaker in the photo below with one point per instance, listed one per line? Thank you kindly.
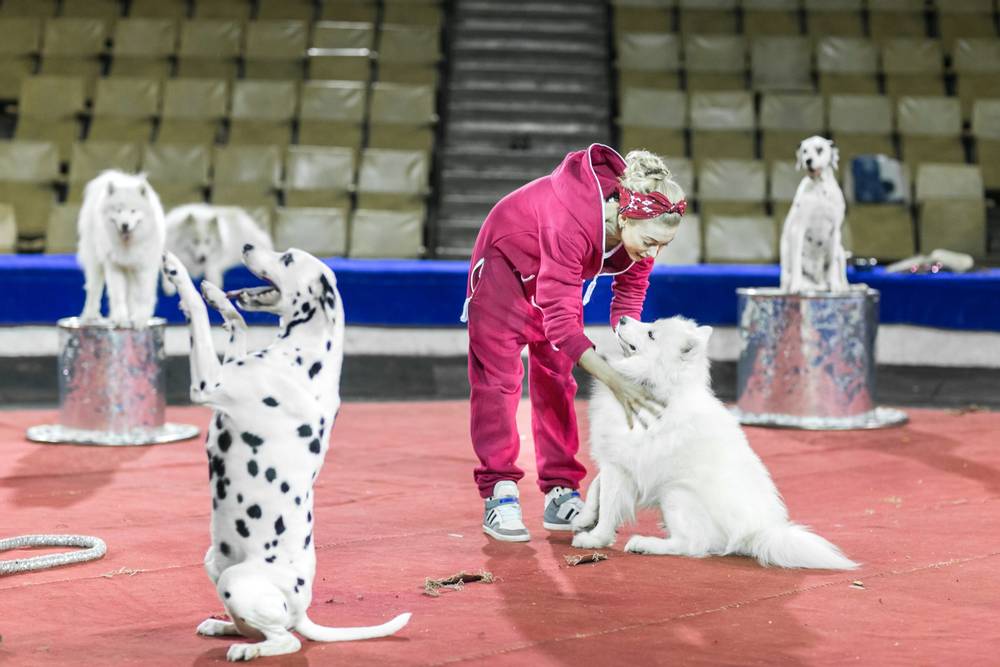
(502, 514)
(561, 505)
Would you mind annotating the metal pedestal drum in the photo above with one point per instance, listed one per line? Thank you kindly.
(112, 388)
(808, 360)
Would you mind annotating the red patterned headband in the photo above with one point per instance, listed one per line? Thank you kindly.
(642, 206)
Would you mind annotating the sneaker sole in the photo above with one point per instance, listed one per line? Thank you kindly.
(505, 538)
(565, 527)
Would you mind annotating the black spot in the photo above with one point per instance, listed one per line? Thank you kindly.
(309, 517)
(215, 504)
(309, 539)
(279, 526)
(274, 543)
(224, 548)
(225, 440)
(270, 401)
(314, 369)
(294, 323)
(296, 589)
(220, 488)
(251, 439)
(267, 545)
(202, 385)
(287, 258)
(300, 581)
(298, 360)
(314, 446)
(239, 363)
(239, 497)
(226, 595)
(241, 528)
(305, 431)
(285, 487)
(218, 421)
(252, 467)
(270, 559)
(329, 344)
(298, 501)
(254, 511)
(218, 465)
(271, 474)
(211, 470)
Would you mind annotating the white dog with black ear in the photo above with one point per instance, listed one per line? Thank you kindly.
(209, 239)
(274, 410)
(692, 462)
(121, 230)
(812, 255)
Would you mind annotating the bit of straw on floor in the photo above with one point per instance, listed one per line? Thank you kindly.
(580, 559)
(455, 582)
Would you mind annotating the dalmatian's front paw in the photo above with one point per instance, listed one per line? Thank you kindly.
(216, 298)
(238, 652)
(591, 540)
(213, 627)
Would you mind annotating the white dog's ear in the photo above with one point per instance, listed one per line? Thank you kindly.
(142, 190)
(328, 295)
(834, 156)
(704, 333)
(799, 164)
(111, 188)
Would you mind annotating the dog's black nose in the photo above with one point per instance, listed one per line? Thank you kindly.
(247, 247)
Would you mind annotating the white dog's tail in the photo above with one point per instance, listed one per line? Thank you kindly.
(321, 633)
(793, 545)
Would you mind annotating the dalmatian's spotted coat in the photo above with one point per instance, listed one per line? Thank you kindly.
(269, 435)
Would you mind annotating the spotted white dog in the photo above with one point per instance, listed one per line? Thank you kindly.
(812, 256)
(269, 435)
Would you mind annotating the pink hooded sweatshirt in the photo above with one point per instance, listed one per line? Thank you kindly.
(551, 230)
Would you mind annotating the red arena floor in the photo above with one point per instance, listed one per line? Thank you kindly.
(918, 506)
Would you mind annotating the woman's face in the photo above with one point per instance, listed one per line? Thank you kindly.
(645, 238)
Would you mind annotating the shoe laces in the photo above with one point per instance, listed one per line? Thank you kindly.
(509, 509)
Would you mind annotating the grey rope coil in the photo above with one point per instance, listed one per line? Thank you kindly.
(93, 548)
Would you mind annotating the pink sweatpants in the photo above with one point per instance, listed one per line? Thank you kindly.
(502, 321)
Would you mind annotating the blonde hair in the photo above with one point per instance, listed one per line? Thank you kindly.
(646, 172)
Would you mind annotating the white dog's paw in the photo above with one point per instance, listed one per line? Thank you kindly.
(591, 541)
(640, 544)
(174, 269)
(238, 652)
(584, 521)
(213, 627)
(215, 297)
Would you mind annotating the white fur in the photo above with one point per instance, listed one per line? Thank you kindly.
(812, 255)
(693, 463)
(274, 410)
(210, 239)
(121, 230)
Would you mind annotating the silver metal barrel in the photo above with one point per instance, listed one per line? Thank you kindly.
(112, 386)
(808, 360)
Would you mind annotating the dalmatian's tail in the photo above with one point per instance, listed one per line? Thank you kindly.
(321, 633)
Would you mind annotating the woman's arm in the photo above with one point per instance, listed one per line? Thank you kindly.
(632, 397)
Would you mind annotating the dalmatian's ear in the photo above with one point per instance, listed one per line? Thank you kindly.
(799, 163)
(328, 295)
(834, 156)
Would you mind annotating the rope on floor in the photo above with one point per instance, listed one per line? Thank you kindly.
(93, 548)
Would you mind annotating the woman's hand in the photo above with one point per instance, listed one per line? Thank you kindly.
(632, 397)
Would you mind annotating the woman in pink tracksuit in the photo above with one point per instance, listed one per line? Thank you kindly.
(596, 214)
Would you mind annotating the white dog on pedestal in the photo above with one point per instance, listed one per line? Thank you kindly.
(812, 256)
(122, 231)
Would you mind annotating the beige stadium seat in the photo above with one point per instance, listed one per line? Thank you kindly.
(951, 208)
(124, 109)
(178, 172)
(723, 125)
(91, 158)
(143, 47)
(654, 120)
(98, 9)
(391, 179)
(262, 112)
(986, 130)
(193, 110)
(49, 108)
(847, 66)
(158, 9)
(412, 13)
(320, 231)
(382, 233)
(781, 187)
(861, 125)
(686, 246)
(20, 41)
(275, 49)
(892, 19)
(28, 8)
(408, 53)
(964, 19)
(930, 129)
(402, 116)
(635, 17)
(682, 173)
(781, 64)
(834, 17)
(332, 113)
(771, 17)
(8, 229)
(339, 64)
(60, 229)
(785, 120)
(732, 187)
(73, 47)
(209, 48)
(246, 175)
(648, 60)
(319, 176)
(707, 16)
(234, 10)
(883, 231)
(287, 10)
(715, 62)
(913, 67)
(343, 35)
(28, 173)
(741, 239)
(977, 66)
(349, 10)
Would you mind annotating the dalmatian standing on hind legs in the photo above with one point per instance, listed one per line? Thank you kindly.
(270, 432)
(812, 256)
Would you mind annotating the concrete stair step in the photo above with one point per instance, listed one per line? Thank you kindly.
(470, 158)
(528, 113)
(477, 46)
(482, 9)
(564, 28)
(527, 94)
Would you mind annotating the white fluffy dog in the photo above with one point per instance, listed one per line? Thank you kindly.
(812, 256)
(209, 239)
(121, 231)
(692, 462)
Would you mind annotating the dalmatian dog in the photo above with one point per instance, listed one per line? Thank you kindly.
(266, 443)
(812, 256)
